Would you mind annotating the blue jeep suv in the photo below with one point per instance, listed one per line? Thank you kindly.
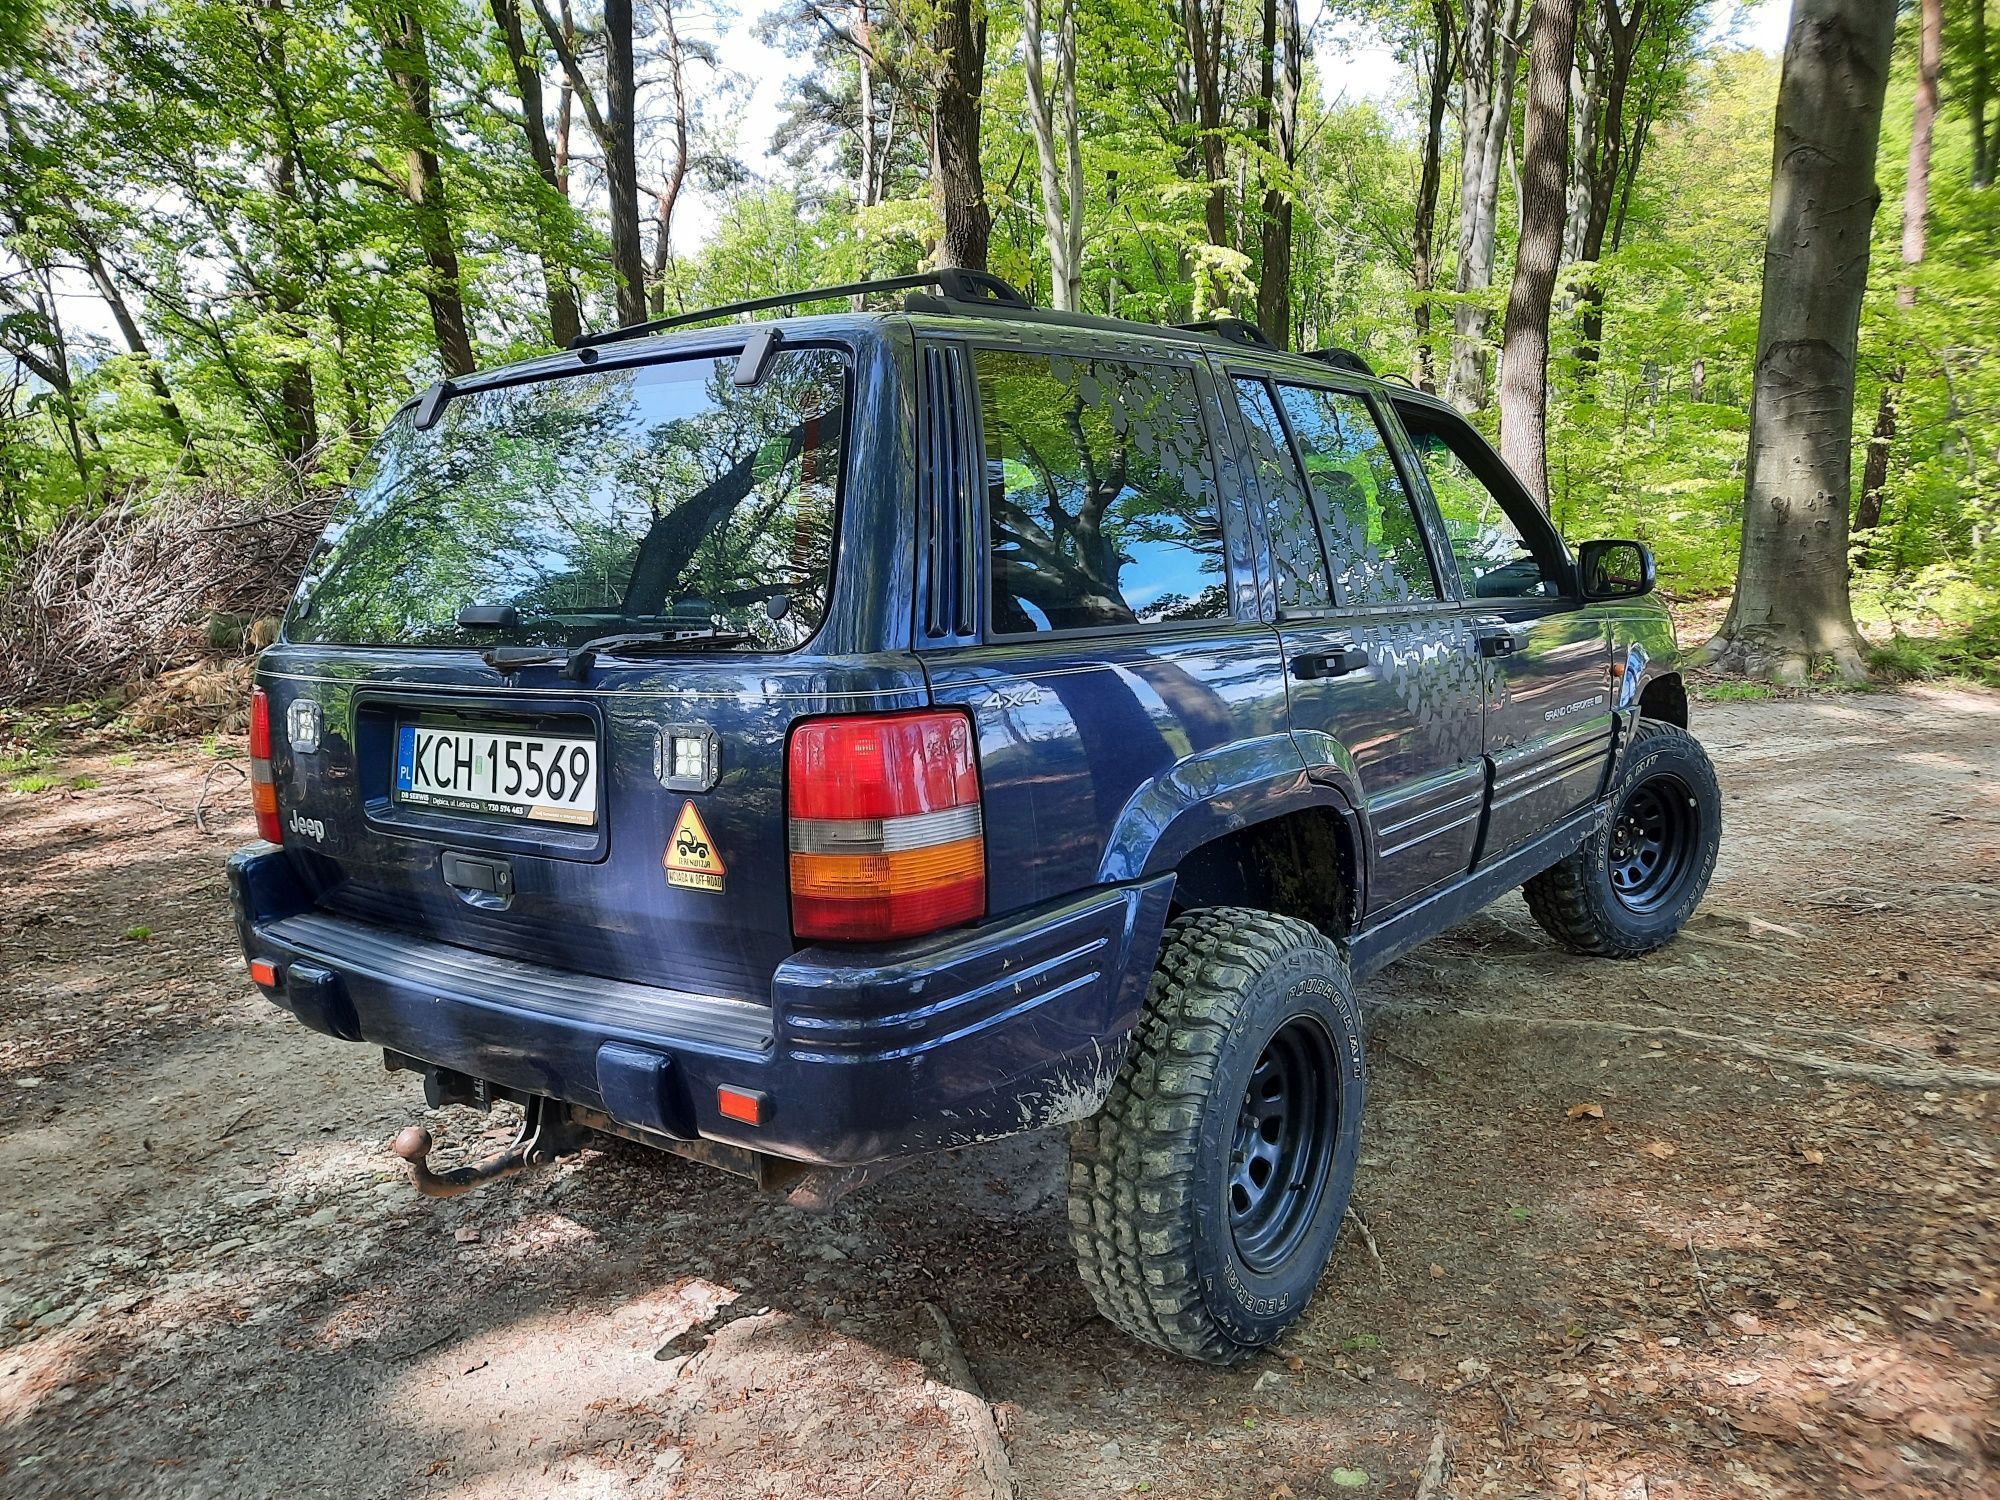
(805, 743)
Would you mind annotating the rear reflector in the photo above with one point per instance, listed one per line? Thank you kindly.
(263, 791)
(886, 834)
(264, 972)
(746, 1105)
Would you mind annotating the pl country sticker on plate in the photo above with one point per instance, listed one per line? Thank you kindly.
(691, 857)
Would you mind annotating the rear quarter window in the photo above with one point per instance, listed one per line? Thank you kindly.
(1101, 501)
(656, 497)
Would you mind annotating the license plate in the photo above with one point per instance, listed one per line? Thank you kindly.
(550, 778)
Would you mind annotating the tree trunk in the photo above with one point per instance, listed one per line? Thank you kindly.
(1201, 22)
(621, 162)
(407, 59)
(868, 188)
(1423, 261)
(1283, 73)
(1041, 118)
(669, 195)
(1524, 357)
(958, 183)
(1791, 606)
(565, 315)
(1491, 58)
(299, 424)
(612, 124)
(1916, 208)
(135, 341)
(1978, 91)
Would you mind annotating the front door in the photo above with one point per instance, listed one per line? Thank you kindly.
(1548, 660)
(1382, 668)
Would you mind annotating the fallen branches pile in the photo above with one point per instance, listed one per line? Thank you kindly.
(127, 592)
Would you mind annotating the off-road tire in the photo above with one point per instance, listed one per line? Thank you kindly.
(1577, 903)
(1150, 1184)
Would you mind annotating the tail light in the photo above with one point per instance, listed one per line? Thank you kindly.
(886, 836)
(263, 791)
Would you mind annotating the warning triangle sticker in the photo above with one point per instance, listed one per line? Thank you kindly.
(691, 857)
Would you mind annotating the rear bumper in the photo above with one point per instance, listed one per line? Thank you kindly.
(861, 1054)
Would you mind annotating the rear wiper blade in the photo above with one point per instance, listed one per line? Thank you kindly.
(583, 657)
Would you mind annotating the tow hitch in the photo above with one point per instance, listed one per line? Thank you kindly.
(546, 1133)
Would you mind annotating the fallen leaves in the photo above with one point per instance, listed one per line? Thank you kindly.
(1586, 1111)
(1659, 1149)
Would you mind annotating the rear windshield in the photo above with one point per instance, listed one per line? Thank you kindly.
(660, 498)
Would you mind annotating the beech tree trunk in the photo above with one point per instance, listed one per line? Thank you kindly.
(1061, 171)
(1490, 55)
(612, 122)
(407, 59)
(1791, 609)
(1978, 90)
(1916, 207)
(1423, 238)
(1282, 76)
(1524, 356)
(957, 181)
(565, 315)
(1201, 21)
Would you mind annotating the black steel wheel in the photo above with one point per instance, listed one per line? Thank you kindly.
(1205, 1200)
(1283, 1153)
(1634, 883)
(1653, 838)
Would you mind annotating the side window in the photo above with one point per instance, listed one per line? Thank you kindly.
(1100, 502)
(1496, 559)
(1296, 555)
(1374, 541)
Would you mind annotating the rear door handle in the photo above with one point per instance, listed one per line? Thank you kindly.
(1498, 640)
(1334, 661)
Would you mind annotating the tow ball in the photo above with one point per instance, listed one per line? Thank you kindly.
(546, 1133)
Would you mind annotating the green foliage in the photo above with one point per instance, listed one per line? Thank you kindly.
(239, 178)
(1970, 653)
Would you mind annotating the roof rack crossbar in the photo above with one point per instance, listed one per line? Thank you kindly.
(1236, 330)
(1342, 359)
(957, 284)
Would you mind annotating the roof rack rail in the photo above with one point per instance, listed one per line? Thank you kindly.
(957, 284)
(1342, 359)
(1236, 330)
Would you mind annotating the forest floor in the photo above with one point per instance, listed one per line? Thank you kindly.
(1722, 1221)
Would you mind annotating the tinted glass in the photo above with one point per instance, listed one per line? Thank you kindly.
(1296, 557)
(1494, 560)
(1101, 510)
(1373, 539)
(659, 498)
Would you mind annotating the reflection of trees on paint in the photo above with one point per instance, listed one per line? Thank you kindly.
(1373, 539)
(623, 499)
(1101, 505)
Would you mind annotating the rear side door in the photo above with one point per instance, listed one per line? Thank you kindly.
(1383, 675)
(1549, 724)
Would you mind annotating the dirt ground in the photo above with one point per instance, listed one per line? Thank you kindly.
(1724, 1221)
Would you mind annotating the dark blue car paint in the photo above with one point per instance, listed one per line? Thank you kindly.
(1104, 761)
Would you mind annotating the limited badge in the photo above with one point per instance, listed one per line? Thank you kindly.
(691, 857)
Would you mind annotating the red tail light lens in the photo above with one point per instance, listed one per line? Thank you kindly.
(886, 835)
(263, 791)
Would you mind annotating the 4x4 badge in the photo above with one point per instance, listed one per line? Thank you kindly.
(691, 858)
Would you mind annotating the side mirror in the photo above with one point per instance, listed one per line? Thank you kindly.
(1615, 569)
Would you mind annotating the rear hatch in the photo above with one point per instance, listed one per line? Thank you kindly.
(533, 694)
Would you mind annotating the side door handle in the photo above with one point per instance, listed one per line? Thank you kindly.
(1334, 661)
(1498, 638)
